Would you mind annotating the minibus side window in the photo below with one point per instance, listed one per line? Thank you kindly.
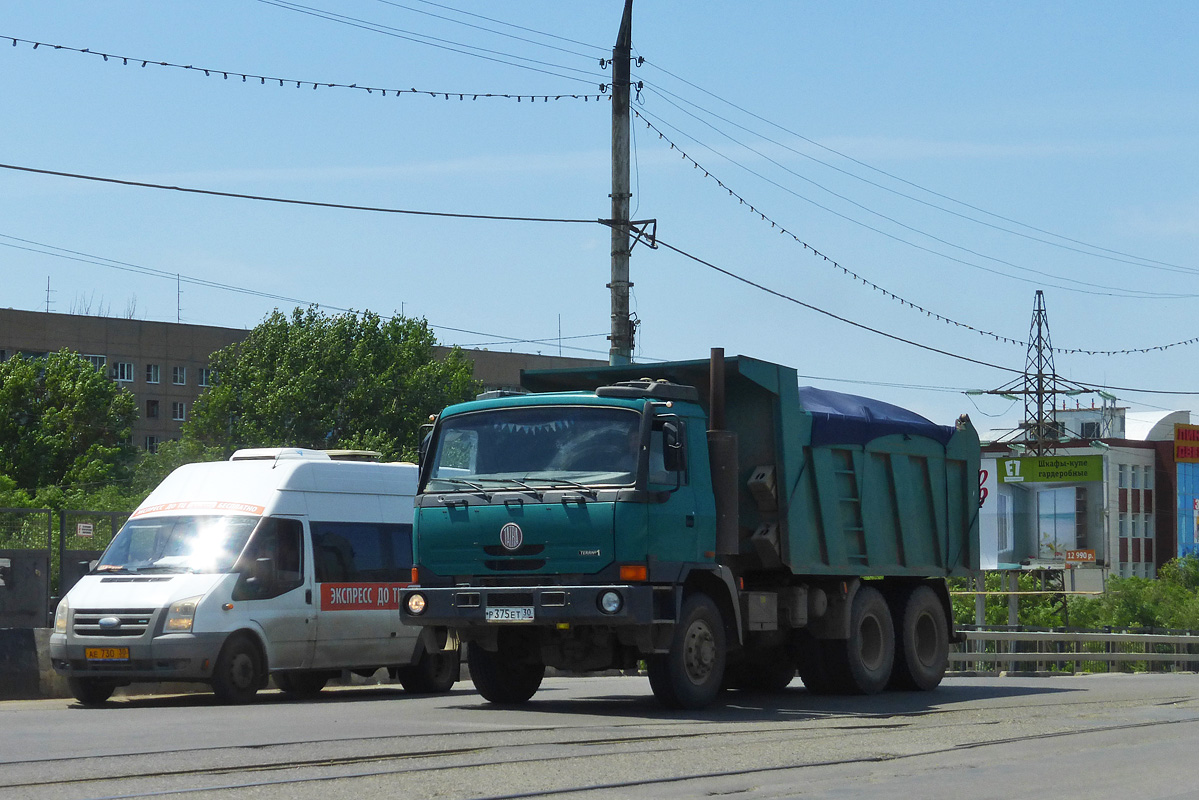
(363, 552)
(273, 561)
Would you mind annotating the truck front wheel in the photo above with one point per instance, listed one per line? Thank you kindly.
(921, 643)
(689, 676)
(501, 677)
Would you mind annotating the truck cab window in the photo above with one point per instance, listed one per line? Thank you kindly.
(667, 459)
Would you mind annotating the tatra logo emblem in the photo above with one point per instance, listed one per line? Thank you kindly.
(511, 536)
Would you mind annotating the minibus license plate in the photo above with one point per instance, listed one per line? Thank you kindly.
(509, 614)
(107, 653)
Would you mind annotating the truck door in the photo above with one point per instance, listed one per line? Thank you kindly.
(676, 527)
(274, 591)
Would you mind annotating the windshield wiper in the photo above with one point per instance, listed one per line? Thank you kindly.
(461, 482)
(575, 484)
(533, 490)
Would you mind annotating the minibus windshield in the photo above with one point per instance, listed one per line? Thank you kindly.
(201, 543)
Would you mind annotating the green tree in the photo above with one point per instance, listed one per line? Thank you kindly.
(340, 381)
(62, 422)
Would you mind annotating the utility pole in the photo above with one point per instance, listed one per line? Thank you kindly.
(621, 337)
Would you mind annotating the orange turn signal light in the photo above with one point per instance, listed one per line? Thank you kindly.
(415, 575)
(634, 572)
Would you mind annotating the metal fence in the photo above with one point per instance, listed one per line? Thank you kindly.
(35, 569)
(1072, 651)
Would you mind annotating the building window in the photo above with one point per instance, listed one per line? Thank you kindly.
(152, 373)
(151, 444)
(1089, 430)
(207, 376)
(1148, 477)
(151, 409)
(1123, 526)
(178, 411)
(124, 371)
(97, 362)
(179, 376)
(1123, 476)
(1136, 476)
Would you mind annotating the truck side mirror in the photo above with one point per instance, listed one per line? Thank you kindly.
(672, 448)
(262, 574)
(5, 572)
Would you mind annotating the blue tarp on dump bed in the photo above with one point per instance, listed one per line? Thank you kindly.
(848, 419)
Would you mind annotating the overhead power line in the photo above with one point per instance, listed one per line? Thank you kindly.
(495, 56)
(295, 202)
(1139, 260)
(893, 337)
(886, 292)
(301, 83)
(31, 246)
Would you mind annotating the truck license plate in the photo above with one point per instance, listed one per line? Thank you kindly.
(107, 653)
(509, 614)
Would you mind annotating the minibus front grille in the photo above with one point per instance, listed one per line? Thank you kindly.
(131, 622)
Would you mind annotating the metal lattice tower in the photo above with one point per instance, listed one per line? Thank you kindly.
(1040, 385)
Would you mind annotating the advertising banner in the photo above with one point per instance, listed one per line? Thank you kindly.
(1051, 469)
(1186, 444)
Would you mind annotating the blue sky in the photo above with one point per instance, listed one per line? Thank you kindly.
(958, 156)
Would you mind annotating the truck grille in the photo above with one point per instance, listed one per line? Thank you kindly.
(515, 564)
(132, 622)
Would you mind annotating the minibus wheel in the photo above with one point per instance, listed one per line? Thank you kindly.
(91, 691)
(239, 672)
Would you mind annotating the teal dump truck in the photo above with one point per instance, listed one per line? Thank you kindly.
(711, 519)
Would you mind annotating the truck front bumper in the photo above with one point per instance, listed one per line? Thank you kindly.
(460, 607)
(170, 657)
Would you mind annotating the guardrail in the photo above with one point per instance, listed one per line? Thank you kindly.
(1000, 650)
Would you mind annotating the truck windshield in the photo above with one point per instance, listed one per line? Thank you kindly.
(537, 446)
(178, 544)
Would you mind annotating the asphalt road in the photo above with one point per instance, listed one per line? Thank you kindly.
(1117, 736)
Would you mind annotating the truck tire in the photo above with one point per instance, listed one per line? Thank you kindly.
(501, 678)
(302, 684)
(433, 673)
(690, 675)
(921, 643)
(870, 650)
(91, 691)
(239, 671)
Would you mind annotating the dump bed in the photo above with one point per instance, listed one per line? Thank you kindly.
(860, 487)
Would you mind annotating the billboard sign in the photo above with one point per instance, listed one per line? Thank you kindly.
(1186, 444)
(1051, 469)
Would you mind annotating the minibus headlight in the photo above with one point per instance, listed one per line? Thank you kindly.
(610, 602)
(416, 604)
(180, 615)
(60, 616)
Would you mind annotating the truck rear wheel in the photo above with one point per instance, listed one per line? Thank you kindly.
(922, 642)
(91, 691)
(689, 676)
(870, 651)
(502, 678)
(239, 671)
(433, 673)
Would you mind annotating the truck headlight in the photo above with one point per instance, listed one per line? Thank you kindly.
(60, 616)
(416, 604)
(610, 602)
(180, 615)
